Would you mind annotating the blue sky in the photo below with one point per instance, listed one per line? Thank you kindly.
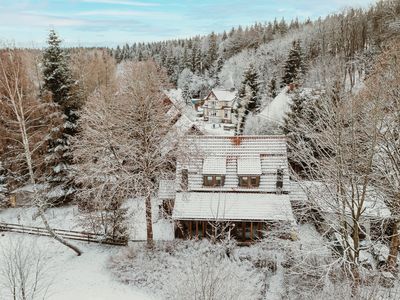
(112, 22)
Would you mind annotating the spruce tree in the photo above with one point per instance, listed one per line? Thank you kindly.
(248, 98)
(250, 80)
(294, 67)
(303, 110)
(212, 53)
(58, 84)
(272, 88)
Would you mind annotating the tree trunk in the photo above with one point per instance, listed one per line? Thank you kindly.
(394, 247)
(55, 236)
(149, 223)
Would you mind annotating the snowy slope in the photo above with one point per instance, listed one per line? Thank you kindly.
(80, 278)
(277, 109)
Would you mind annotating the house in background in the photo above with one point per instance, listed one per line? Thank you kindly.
(236, 186)
(218, 104)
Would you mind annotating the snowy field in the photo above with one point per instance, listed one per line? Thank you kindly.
(71, 277)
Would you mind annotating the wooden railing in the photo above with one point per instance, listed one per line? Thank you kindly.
(67, 234)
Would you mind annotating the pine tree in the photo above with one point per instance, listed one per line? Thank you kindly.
(248, 98)
(250, 79)
(59, 85)
(302, 110)
(272, 88)
(212, 53)
(241, 110)
(294, 66)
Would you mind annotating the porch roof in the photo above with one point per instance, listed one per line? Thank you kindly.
(232, 207)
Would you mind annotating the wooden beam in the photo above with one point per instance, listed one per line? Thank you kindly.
(243, 231)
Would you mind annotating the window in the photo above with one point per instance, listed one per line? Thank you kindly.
(249, 181)
(226, 114)
(213, 180)
(213, 113)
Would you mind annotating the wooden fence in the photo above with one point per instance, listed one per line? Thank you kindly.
(67, 234)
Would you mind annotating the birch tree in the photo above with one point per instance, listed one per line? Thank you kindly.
(19, 115)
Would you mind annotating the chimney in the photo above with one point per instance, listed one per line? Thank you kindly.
(236, 140)
(279, 180)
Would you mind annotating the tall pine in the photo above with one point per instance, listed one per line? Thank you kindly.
(248, 98)
(251, 80)
(58, 85)
(294, 65)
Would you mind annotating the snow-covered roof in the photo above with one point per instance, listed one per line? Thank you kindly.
(232, 206)
(240, 154)
(29, 188)
(278, 108)
(324, 196)
(214, 166)
(239, 146)
(224, 95)
(249, 166)
(166, 189)
(58, 192)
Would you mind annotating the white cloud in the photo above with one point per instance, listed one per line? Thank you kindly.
(36, 20)
(132, 13)
(122, 2)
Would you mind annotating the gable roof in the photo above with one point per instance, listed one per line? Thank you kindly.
(223, 95)
(270, 151)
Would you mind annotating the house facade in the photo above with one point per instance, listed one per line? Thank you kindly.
(230, 186)
(218, 104)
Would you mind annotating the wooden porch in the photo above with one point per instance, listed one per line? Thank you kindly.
(241, 231)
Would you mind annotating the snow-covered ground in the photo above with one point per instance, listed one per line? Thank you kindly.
(69, 218)
(79, 278)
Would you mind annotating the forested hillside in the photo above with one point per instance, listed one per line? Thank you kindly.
(350, 38)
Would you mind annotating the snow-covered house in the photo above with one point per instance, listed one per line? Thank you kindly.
(218, 104)
(232, 185)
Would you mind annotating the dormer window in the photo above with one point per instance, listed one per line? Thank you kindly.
(214, 170)
(249, 181)
(213, 180)
(249, 172)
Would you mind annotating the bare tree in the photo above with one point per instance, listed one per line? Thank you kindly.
(382, 87)
(122, 149)
(24, 270)
(21, 107)
(338, 152)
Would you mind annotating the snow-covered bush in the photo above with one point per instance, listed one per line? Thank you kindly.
(189, 270)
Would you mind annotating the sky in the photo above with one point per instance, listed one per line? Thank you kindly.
(26, 23)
